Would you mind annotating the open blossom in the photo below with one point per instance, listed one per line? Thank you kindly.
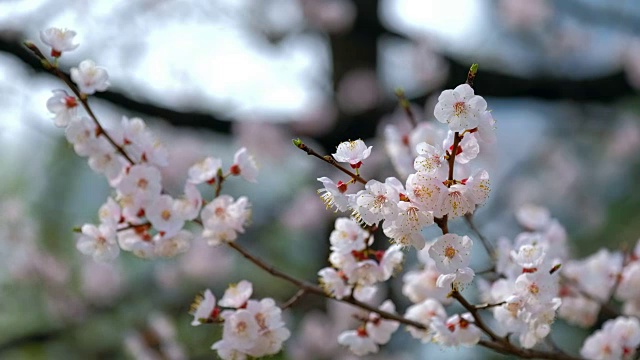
(425, 313)
(430, 160)
(334, 194)
(64, 106)
(204, 308)
(333, 283)
(170, 245)
(451, 252)
(89, 77)
(347, 236)
(618, 339)
(376, 202)
(467, 150)
(358, 342)
(237, 294)
(457, 280)
(99, 242)
(244, 165)
(352, 152)
(379, 329)
(406, 229)
(460, 108)
(164, 215)
(204, 170)
(142, 182)
(457, 330)
(59, 40)
(224, 218)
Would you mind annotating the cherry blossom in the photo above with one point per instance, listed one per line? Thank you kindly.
(460, 108)
(352, 152)
(244, 165)
(237, 294)
(333, 194)
(451, 252)
(89, 77)
(59, 40)
(63, 106)
(204, 308)
(99, 242)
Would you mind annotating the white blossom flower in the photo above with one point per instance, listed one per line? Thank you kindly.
(467, 150)
(167, 245)
(334, 194)
(376, 202)
(241, 330)
(188, 207)
(457, 330)
(82, 132)
(89, 77)
(533, 217)
(451, 252)
(347, 236)
(205, 170)
(244, 165)
(333, 283)
(352, 152)
(142, 182)
(59, 40)
(457, 280)
(424, 313)
(379, 329)
(237, 294)
(63, 106)
(478, 187)
(99, 242)
(406, 229)
(460, 108)
(579, 310)
(204, 308)
(425, 190)
(486, 128)
(224, 218)
(164, 215)
(454, 201)
(430, 160)
(391, 261)
(110, 213)
(358, 342)
(420, 285)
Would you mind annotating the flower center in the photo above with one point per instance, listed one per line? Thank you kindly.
(142, 183)
(450, 252)
(459, 108)
(534, 289)
(166, 215)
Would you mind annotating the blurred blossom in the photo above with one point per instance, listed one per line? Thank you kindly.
(63, 306)
(185, 147)
(526, 15)
(40, 266)
(318, 332)
(624, 142)
(358, 91)
(306, 212)
(333, 16)
(266, 142)
(317, 120)
(204, 262)
(101, 282)
(630, 58)
(155, 342)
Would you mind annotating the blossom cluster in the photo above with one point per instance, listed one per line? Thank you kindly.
(141, 217)
(534, 280)
(356, 268)
(251, 328)
(530, 283)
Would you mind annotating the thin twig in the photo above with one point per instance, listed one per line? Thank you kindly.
(488, 246)
(293, 299)
(82, 97)
(316, 290)
(406, 106)
(328, 159)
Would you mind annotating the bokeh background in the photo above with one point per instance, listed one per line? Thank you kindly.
(561, 77)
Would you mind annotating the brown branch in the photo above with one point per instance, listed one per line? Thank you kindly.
(293, 299)
(502, 344)
(406, 106)
(82, 97)
(316, 290)
(485, 242)
(328, 159)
